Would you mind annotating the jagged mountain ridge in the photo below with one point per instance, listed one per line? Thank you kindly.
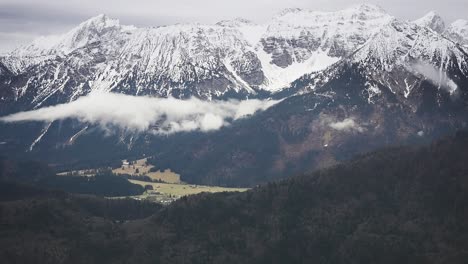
(399, 58)
(381, 87)
(382, 94)
(433, 21)
(231, 58)
(370, 99)
(234, 58)
(457, 31)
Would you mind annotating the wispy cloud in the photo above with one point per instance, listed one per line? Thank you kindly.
(346, 125)
(137, 113)
(436, 76)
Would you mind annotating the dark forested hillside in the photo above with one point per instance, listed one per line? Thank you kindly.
(37, 174)
(404, 205)
(400, 205)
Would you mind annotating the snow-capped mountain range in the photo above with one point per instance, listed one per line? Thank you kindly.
(349, 81)
(399, 57)
(235, 58)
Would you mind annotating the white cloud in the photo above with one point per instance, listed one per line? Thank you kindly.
(347, 125)
(436, 77)
(137, 113)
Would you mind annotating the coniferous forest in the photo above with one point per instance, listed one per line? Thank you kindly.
(395, 205)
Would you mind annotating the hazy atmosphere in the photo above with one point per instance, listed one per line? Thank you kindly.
(23, 20)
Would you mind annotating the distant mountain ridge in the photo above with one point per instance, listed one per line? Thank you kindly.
(456, 31)
(229, 59)
(349, 81)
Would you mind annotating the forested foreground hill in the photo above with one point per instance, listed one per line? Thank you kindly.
(34, 173)
(400, 205)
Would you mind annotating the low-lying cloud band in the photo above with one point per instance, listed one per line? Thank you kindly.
(138, 113)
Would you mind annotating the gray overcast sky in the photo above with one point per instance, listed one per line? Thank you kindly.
(23, 20)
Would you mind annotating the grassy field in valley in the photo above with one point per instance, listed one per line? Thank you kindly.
(141, 167)
(179, 190)
(169, 189)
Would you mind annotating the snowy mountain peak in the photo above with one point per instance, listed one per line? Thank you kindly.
(363, 12)
(369, 8)
(48, 47)
(99, 19)
(460, 23)
(232, 58)
(402, 53)
(87, 32)
(97, 23)
(290, 11)
(433, 21)
(194, 59)
(458, 31)
(363, 9)
(400, 42)
(237, 22)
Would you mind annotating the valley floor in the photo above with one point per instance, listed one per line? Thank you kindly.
(166, 193)
(161, 186)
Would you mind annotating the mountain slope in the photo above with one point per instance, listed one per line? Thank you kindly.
(400, 56)
(387, 92)
(161, 61)
(230, 59)
(377, 81)
(458, 31)
(433, 21)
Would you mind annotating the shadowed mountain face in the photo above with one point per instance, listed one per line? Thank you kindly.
(399, 205)
(322, 127)
(317, 129)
